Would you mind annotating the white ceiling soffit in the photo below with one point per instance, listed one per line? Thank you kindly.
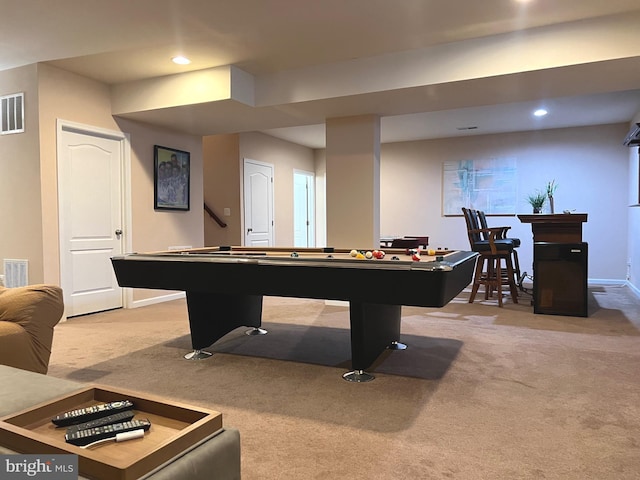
(430, 69)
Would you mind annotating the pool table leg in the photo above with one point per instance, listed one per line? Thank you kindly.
(374, 328)
(213, 315)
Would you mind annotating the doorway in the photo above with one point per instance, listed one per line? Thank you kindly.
(258, 203)
(92, 194)
(303, 209)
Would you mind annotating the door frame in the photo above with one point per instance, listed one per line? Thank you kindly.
(310, 205)
(125, 189)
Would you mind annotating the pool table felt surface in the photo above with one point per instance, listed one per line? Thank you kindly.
(311, 253)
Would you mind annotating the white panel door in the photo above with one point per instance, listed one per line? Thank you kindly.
(90, 191)
(258, 204)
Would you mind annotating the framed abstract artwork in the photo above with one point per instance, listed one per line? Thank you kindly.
(488, 184)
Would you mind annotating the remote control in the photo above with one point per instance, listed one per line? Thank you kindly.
(83, 415)
(99, 422)
(90, 435)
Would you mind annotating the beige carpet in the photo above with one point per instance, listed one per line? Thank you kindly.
(481, 392)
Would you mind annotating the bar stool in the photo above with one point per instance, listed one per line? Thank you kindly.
(494, 267)
(491, 273)
(500, 238)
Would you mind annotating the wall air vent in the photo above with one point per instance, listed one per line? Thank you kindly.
(12, 113)
(633, 137)
(16, 273)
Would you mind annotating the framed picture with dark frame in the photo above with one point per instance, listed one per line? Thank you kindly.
(171, 173)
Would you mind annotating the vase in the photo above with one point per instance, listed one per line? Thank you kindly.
(551, 203)
(537, 209)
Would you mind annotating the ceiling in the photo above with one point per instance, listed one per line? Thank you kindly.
(428, 68)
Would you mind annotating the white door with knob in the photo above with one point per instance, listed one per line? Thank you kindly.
(258, 203)
(90, 190)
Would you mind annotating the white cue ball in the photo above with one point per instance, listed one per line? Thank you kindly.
(353, 253)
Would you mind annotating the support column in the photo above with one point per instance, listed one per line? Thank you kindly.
(353, 181)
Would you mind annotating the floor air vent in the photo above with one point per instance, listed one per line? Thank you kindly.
(16, 273)
(12, 113)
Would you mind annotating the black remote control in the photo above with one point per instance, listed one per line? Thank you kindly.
(90, 435)
(83, 415)
(99, 422)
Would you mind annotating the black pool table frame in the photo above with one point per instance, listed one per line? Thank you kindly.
(225, 292)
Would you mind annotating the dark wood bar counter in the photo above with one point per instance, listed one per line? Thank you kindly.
(557, 228)
(559, 263)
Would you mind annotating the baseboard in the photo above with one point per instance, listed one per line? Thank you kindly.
(160, 299)
(336, 303)
(605, 281)
(608, 281)
(633, 288)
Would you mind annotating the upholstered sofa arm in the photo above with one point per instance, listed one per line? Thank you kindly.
(215, 458)
(27, 317)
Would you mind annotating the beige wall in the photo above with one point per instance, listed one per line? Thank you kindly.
(633, 235)
(20, 196)
(589, 164)
(30, 185)
(70, 97)
(353, 181)
(221, 178)
(160, 229)
(286, 157)
(320, 160)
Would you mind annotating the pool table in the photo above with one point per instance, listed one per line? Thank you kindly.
(225, 285)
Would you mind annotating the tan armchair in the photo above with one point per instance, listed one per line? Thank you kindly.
(27, 317)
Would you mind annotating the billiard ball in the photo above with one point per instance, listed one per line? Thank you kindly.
(368, 255)
(415, 257)
(359, 256)
(353, 253)
(431, 252)
(329, 256)
(395, 258)
(380, 254)
(294, 254)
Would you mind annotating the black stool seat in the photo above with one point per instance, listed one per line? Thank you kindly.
(485, 245)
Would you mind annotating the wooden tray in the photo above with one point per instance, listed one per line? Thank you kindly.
(175, 427)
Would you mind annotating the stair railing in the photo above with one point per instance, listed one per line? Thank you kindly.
(214, 216)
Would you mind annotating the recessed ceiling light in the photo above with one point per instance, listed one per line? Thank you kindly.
(541, 112)
(180, 60)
